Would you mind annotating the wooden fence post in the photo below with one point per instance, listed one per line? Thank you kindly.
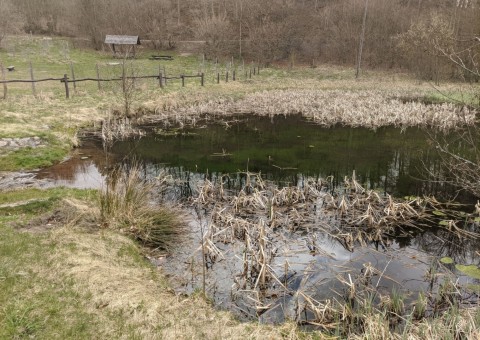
(254, 71)
(123, 78)
(160, 80)
(202, 79)
(218, 78)
(65, 80)
(165, 75)
(98, 77)
(183, 80)
(4, 84)
(73, 77)
(233, 75)
(250, 73)
(33, 80)
(226, 77)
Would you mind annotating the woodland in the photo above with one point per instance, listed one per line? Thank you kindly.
(413, 35)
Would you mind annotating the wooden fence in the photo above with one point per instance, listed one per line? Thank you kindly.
(162, 79)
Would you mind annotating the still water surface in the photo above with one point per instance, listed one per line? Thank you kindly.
(283, 149)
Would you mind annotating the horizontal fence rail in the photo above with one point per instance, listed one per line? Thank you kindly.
(67, 80)
(161, 77)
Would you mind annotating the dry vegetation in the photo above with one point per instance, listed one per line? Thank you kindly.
(106, 279)
(253, 218)
(103, 269)
(127, 204)
(330, 107)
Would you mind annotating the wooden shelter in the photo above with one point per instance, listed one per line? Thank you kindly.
(123, 45)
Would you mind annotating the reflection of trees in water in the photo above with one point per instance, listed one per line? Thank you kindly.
(384, 159)
(445, 243)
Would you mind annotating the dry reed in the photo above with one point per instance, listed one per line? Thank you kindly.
(253, 216)
(371, 109)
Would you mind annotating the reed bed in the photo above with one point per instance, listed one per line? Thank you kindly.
(254, 216)
(361, 108)
(119, 128)
(353, 215)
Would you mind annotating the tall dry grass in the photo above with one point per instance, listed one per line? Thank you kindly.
(366, 108)
(126, 204)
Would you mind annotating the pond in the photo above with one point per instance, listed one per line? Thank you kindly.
(308, 262)
(283, 149)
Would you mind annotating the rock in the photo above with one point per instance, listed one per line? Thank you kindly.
(24, 142)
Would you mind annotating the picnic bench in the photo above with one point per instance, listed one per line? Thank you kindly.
(161, 57)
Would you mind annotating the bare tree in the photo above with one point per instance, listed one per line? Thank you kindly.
(325, 30)
(9, 19)
(462, 168)
(362, 40)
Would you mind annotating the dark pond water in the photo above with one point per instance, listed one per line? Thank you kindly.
(283, 149)
(288, 151)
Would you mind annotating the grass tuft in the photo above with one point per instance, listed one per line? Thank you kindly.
(126, 204)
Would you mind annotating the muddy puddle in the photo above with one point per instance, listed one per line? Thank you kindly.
(276, 208)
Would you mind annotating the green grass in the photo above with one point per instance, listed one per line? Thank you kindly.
(32, 158)
(36, 302)
(39, 194)
(36, 299)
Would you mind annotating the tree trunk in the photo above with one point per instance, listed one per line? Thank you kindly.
(362, 40)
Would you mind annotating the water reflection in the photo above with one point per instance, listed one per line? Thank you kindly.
(285, 150)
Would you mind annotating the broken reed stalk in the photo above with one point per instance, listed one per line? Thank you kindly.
(204, 260)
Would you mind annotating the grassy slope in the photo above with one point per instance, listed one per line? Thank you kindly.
(72, 282)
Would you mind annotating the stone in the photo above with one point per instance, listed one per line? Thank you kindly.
(22, 142)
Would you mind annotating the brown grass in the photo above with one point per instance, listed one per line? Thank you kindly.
(139, 293)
